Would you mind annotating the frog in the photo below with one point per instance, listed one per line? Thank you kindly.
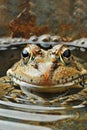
(48, 71)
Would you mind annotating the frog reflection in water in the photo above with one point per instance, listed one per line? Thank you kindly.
(49, 71)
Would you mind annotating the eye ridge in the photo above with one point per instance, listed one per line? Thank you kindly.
(67, 53)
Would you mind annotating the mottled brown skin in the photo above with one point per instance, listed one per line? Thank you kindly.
(47, 69)
(54, 70)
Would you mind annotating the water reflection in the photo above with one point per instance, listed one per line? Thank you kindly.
(13, 115)
(6, 125)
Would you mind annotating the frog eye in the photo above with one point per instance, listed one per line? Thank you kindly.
(25, 53)
(67, 53)
(26, 56)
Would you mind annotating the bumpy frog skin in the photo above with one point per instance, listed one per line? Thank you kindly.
(53, 70)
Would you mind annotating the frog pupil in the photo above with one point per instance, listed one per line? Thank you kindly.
(25, 53)
(67, 53)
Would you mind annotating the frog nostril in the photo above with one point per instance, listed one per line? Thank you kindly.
(35, 65)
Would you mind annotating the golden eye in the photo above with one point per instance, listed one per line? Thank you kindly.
(67, 53)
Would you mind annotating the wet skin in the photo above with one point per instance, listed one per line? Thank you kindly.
(50, 71)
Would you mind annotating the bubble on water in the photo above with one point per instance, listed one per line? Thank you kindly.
(3, 48)
(82, 49)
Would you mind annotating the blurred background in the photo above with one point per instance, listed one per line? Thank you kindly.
(8, 10)
(67, 18)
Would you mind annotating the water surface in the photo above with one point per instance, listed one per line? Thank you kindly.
(29, 116)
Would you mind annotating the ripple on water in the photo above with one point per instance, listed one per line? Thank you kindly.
(38, 117)
(6, 125)
(35, 117)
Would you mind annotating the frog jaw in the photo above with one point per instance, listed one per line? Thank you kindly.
(61, 87)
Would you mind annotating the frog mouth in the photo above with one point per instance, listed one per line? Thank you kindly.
(84, 81)
(50, 88)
